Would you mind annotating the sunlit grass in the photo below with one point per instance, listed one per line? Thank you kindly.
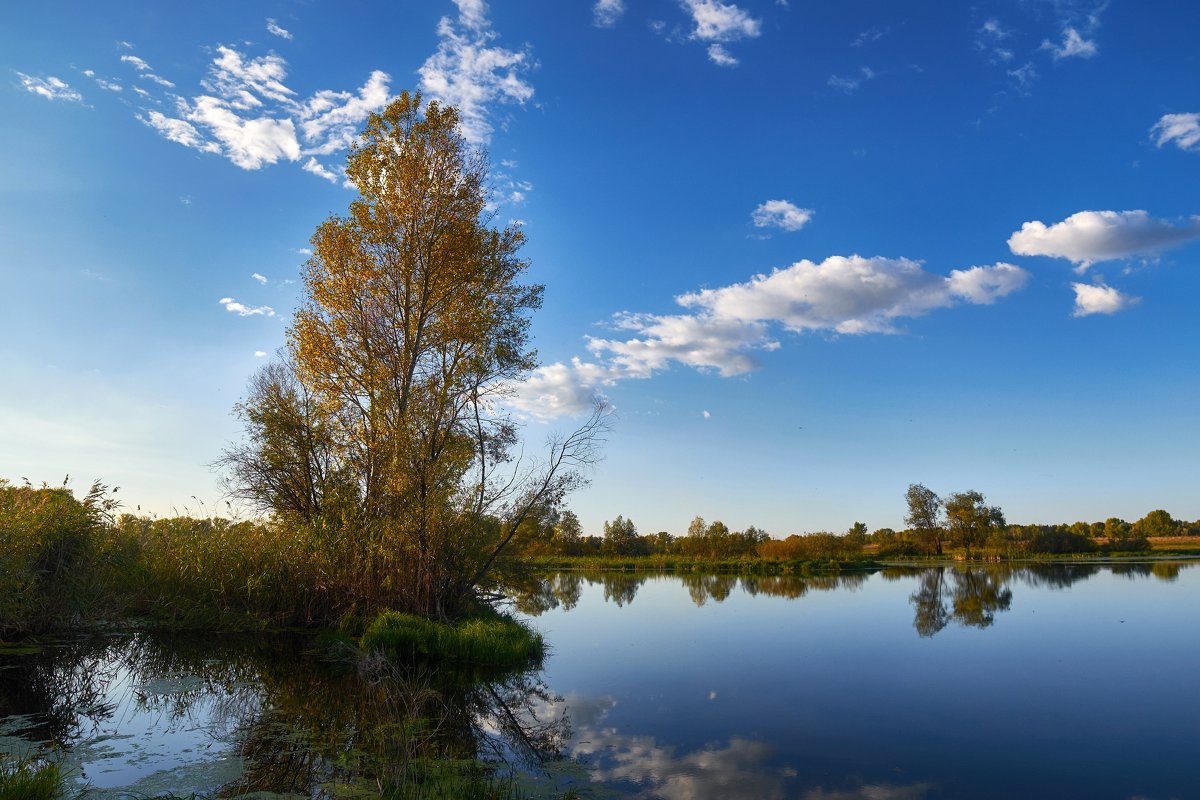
(492, 641)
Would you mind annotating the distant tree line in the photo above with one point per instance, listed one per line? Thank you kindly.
(962, 522)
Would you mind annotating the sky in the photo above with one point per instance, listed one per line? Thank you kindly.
(811, 252)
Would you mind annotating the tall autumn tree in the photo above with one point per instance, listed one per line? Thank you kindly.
(415, 325)
(970, 520)
(924, 514)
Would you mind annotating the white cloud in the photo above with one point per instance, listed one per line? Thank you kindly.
(721, 22)
(605, 13)
(708, 416)
(161, 81)
(1099, 299)
(109, 86)
(1182, 129)
(559, 389)
(872, 34)
(179, 131)
(1024, 76)
(468, 72)
(260, 353)
(718, 23)
(852, 294)
(146, 71)
(331, 119)
(472, 14)
(1090, 236)
(851, 84)
(984, 285)
(241, 81)
(138, 63)
(252, 117)
(1073, 46)
(723, 330)
(992, 29)
(248, 143)
(707, 342)
(258, 277)
(781, 214)
(273, 27)
(50, 87)
(318, 169)
(234, 307)
(720, 56)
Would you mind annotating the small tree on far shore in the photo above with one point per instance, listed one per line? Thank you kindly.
(924, 515)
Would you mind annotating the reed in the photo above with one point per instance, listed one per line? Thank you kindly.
(30, 780)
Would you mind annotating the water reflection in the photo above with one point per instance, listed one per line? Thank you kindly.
(970, 597)
(278, 713)
(733, 768)
(536, 596)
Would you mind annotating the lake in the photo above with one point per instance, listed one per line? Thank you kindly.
(1040, 680)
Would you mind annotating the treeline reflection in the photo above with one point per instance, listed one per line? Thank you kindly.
(298, 718)
(970, 596)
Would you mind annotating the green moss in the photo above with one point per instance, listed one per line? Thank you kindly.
(495, 640)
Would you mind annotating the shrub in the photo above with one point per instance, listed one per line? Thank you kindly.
(1058, 540)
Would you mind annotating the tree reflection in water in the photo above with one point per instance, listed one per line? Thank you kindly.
(300, 718)
(536, 596)
(970, 597)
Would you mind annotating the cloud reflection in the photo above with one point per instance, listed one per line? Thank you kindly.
(739, 768)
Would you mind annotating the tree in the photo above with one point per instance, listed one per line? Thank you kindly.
(286, 465)
(620, 537)
(969, 520)
(568, 533)
(1116, 528)
(1157, 523)
(414, 327)
(924, 512)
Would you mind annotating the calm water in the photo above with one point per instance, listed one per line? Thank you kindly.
(1054, 681)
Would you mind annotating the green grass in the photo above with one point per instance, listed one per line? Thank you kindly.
(496, 640)
(29, 780)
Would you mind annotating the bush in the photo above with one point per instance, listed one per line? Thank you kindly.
(1058, 540)
(810, 547)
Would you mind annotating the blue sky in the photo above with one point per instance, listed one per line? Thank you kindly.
(812, 252)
